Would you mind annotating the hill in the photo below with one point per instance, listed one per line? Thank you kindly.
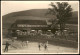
(34, 14)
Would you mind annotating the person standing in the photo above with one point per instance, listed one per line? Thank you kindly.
(39, 46)
(45, 46)
(6, 47)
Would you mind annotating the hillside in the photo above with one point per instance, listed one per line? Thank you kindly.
(37, 13)
(34, 14)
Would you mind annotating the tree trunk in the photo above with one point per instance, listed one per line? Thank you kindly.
(62, 27)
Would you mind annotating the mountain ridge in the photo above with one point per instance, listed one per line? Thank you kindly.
(39, 13)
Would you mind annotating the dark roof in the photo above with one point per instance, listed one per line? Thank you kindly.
(32, 22)
(25, 28)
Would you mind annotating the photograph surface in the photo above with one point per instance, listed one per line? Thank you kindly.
(30, 27)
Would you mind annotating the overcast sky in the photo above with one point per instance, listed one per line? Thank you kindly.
(14, 6)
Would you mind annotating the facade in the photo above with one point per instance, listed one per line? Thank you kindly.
(29, 27)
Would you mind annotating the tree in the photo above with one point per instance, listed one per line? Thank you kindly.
(63, 12)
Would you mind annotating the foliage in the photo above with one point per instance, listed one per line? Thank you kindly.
(62, 10)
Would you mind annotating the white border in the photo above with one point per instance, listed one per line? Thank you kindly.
(78, 27)
(45, 53)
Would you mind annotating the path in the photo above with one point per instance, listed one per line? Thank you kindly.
(33, 48)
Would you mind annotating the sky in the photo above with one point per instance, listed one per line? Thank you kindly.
(15, 6)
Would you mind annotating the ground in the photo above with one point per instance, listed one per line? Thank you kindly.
(55, 45)
(33, 48)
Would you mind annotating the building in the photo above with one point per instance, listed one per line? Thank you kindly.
(29, 27)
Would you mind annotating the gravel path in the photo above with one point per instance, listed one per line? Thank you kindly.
(33, 48)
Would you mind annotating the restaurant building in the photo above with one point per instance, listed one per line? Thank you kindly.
(29, 27)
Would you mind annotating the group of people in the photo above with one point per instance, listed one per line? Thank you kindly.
(26, 43)
(45, 45)
(7, 44)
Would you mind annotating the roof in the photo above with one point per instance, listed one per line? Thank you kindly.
(32, 22)
(25, 28)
